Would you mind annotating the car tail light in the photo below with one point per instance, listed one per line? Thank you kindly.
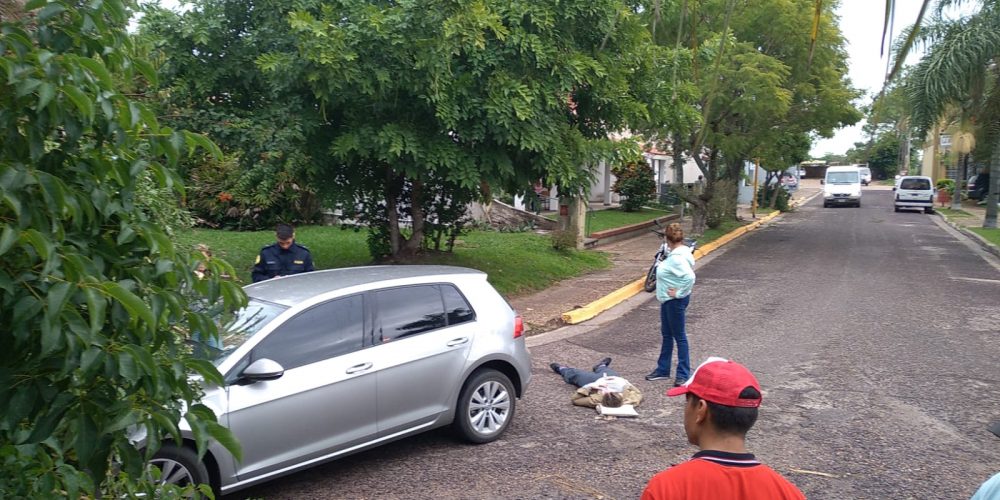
(518, 326)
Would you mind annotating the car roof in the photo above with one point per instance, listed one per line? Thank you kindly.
(290, 290)
(842, 168)
(914, 177)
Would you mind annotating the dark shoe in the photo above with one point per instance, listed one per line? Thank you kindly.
(657, 376)
(556, 367)
(679, 382)
(604, 362)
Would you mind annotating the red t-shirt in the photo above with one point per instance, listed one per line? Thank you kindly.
(713, 475)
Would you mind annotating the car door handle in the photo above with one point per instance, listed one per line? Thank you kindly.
(359, 368)
(458, 341)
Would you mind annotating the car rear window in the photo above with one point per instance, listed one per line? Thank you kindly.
(916, 184)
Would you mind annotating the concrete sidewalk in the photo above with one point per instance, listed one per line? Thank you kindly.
(630, 260)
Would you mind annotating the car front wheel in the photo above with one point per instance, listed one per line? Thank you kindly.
(179, 466)
(485, 406)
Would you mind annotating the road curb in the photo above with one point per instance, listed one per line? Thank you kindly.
(618, 296)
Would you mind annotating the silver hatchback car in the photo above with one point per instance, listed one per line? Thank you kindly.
(324, 364)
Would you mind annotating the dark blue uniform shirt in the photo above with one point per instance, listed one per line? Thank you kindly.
(276, 261)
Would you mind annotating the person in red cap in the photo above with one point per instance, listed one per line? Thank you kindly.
(722, 402)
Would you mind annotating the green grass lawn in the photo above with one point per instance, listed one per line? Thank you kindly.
(991, 235)
(599, 220)
(516, 263)
(953, 213)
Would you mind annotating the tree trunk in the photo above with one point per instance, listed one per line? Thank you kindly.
(991, 199)
(391, 212)
(412, 245)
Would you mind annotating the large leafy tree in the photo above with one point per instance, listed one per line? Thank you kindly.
(268, 128)
(767, 89)
(94, 296)
(432, 99)
(959, 71)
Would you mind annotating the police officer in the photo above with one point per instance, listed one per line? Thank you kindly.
(282, 258)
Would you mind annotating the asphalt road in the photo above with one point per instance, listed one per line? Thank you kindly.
(875, 336)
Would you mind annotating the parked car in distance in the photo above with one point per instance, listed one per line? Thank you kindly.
(842, 186)
(979, 186)
(324, 364)
(866, 175)
(914, 191)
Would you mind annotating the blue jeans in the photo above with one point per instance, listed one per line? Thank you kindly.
(581, 378)
(672, 330)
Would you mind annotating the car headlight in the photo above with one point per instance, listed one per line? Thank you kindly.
(827, 195)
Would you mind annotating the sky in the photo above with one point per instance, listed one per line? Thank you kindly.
(861, 23)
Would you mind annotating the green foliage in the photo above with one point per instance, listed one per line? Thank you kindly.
(764, 92)
(470, 95)
(634, 183)
(271, 136)
(946, 184)
(563, 240)
(775, 192)
(93, 294)
(722, 207)
(160, 205)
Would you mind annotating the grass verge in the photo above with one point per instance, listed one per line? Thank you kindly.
(516, 263)
(991, 235)
(599, 220)
(953, 213)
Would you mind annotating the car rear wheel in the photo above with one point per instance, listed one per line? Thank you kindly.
(179, 466)
(928, 210)
(485, 406)
(895, 209)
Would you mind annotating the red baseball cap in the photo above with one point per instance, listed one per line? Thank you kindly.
(719, 380)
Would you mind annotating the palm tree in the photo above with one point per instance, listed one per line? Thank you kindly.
(960, 68)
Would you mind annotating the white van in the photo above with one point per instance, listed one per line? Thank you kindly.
(866, 175)
(842, 186)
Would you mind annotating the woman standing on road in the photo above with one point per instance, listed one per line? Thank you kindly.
(674, 280)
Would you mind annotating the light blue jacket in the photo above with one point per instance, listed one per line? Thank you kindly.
(676, 271)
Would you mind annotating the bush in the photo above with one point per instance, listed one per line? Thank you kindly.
(563, 239)
(948, 184)
(635, 184)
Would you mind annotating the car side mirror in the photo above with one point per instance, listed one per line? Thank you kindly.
(822, 181)
(262, 370)
(894, 188)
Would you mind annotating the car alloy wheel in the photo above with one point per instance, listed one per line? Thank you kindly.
(179, 466)
(486, 406)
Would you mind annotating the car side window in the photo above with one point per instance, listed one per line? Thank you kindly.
(324, 331)
(455, 305)
(409, 310)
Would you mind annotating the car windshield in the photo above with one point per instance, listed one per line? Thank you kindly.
(921, 184)
(235, 329)
(865, 171)
(842, 177)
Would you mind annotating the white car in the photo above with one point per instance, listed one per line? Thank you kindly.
(914, 191)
